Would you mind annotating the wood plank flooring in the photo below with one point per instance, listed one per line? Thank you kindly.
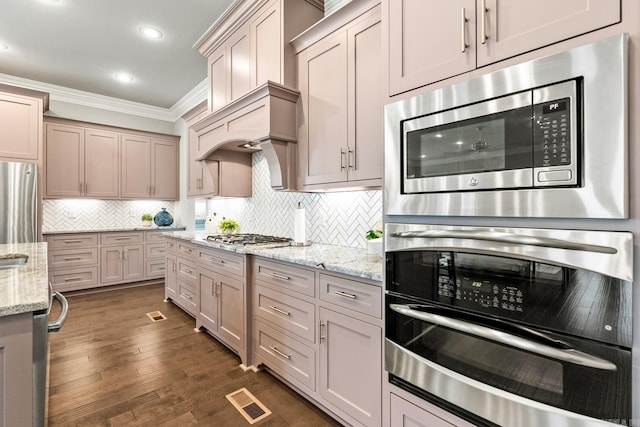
(110, 365)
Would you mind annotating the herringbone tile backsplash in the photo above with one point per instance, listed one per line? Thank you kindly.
(340, 218)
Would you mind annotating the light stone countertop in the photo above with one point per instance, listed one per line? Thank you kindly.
(25, 288)
(338, 259)
(105, 230)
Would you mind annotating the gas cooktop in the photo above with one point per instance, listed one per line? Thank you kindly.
(249, 240)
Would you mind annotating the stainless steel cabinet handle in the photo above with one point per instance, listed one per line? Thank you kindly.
(276, 309)
(80, 187)
(279, 353)
(86, 188)
(122, 238)
(219, 288)
(189, 297)
(73, 241)
(570, 355)
(494, 236)
(186, 270)
(463, 35)
(483, 20)
(350, 156)
(342, 155)
(322, 325)
(214, 289)
(346, 295)
(75, 258)
(57, 324)
(278, 276)
(72, 279)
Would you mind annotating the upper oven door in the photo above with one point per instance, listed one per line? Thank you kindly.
(488, 145)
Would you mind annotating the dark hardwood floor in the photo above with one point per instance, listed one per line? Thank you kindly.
(110, 365)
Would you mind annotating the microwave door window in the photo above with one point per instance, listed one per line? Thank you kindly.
(464, 147)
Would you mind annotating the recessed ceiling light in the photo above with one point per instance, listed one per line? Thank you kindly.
(4, 46)
(123, 77)
(150, 32)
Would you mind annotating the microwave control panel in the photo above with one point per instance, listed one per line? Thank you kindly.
(552, 133)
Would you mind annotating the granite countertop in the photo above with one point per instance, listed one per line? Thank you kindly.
(25, 288)
(338, 259)
(104, 230)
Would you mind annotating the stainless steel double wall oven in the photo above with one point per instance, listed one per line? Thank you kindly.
(500, 323)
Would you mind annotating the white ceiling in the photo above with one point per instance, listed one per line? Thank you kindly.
(81, 44)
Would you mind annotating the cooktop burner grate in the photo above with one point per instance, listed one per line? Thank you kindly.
(248, 239)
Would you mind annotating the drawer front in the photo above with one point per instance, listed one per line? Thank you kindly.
(155, 268)
(70, 241)
(222, 261)
(186, 249)
(122, 238)
(287, 312)
(75, 278)
(155, 250)
(70, 258)
(187, 298)
(154, 236)
(171, 246)
(187, 272)
(285, 277)
(358, 296)
(286, 356)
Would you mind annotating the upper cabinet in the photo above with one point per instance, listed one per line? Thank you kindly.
(431, 40)
(250, 45)
(341, 98)
(101, 162)
(21, 123)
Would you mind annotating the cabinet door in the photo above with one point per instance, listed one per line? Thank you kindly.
(323, 128)
(170, 277)
(426, 39)
(266, 46)
(406, 414)
(136, 167)
(208, 314)
(218, 79)
(516, 26)
(364, 157)
(111, 264)
(16, 370)
(134, 268)
(231, 311)
(101, 164)
(350, 366)
(164, 170)
(238, 58)
(64, 161)
(194, 168)
(19, 126)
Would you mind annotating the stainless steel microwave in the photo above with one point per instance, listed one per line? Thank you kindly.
(521, 140)
(545, 138)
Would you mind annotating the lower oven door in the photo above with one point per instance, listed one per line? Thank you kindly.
(504, 373)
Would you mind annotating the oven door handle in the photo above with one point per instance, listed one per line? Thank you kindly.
(493, 236)
(566, 354)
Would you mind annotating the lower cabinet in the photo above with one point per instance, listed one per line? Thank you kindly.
(406, 414)
(187, 285)
(121, 264)
(170, 278)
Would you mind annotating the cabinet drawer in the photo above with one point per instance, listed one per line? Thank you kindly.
(121, 238)
(70, 258)
(287, 312)
(285, 277)
(186, 249)
(358, 296)
(187, 272)
(222, 261)
(154, 236)
(154, 268)
(74, 278)
(171, 246)
(286, 356)
(155, 250)
(187, 297)
(70, 241)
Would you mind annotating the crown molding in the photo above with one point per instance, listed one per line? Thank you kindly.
(93, 100)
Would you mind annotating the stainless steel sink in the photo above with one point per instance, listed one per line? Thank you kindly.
(13, 260)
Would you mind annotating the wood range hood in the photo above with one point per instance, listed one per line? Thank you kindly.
(264, 119)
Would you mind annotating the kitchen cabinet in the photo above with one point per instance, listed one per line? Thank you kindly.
(81, 162)
(250, 45)
(200, 182)
(406, 414)
(323, 334)
(120, 262)
(154, 250)
(340, 125)
(73, 261)
(16, 354)
(21, 123)
(431, 40)
(170, 277)
(187, 295)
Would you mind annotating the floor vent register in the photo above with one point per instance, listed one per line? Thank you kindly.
(156, 316)
(246, 403)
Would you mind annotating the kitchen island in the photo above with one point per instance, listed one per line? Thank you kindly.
(24, 294)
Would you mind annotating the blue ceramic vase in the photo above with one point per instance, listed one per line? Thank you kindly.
(163, 218)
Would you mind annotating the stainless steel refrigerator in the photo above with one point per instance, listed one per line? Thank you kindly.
(18, 202)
